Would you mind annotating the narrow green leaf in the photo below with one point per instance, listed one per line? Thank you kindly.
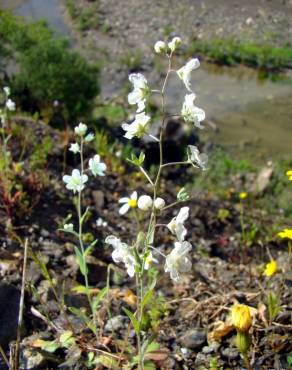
(84, 215)
(90, 248)
(99, 297)
(81, 289)
(81, 261)
(147, 298)
(79, 314)
(133, 319)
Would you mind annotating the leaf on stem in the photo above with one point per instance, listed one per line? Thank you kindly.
(99, 298)
(81, 261)
(133, 319)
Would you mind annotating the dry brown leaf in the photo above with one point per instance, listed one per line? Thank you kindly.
(220, 330)
(128, 296)
(262, 308)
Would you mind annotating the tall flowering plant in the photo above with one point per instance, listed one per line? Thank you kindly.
(76, 183)
(139, 255)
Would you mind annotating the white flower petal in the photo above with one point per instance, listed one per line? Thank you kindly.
(124, 209)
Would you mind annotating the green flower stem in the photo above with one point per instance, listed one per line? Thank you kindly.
(80, 232)
(175, 164)
(151, 227)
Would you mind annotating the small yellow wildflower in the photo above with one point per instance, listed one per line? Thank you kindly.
(286, 233)
(243, 195)
(271, 268)
(241, 317)
(289, 174)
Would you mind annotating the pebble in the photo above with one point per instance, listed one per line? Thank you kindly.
(193, 338)
(230, 353)
(115, 323)
(212, 348)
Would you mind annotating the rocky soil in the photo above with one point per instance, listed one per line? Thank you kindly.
(194, 326)
(128, 28)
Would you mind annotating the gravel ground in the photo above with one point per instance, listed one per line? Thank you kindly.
(129, 28)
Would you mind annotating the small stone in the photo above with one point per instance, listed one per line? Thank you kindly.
(212, 348)
(115, 323)
(230, 353)
(193, 338)
(99, 199)
(45, 233)
(31, 359)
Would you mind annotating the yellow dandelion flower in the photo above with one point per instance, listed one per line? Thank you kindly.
(286, 233)
(241, 317)
(271, 268)
(243, 195)
(289, 174)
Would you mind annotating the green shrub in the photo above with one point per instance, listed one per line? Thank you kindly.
(48, 69)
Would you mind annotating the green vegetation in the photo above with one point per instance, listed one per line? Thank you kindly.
(48, 69)
(227, 178)
(232, 52)
(112, 113)
(132, 60)
(85, 16)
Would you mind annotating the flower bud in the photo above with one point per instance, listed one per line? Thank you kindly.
(174, 43)
(145, 202)
(68, 227)
(160, 47)
(241, 317)
(81, 129)
(243, 342)
(159, 203)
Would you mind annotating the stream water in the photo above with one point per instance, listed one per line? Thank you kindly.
(253, 117)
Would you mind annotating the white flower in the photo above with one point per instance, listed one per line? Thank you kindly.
(76, 181)
(138, 127)
(178, 260)
(97, 167)
(149, 260)
(145, 202)
(191, 113)
(129, 203)
(101, 223)
(201, 159)
(159, 47)
(6, 89)
(89, 137)
(122, 253)
(74, 148)
(68, 227)
(174, 43)
(10, 105)
(81, 129)
(176, 225)
(159, 203)
(140, 92)
(184, 73)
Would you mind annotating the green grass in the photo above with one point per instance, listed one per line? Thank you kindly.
(85, 16)
(232, 52)
(113, 113)
(226, 173)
